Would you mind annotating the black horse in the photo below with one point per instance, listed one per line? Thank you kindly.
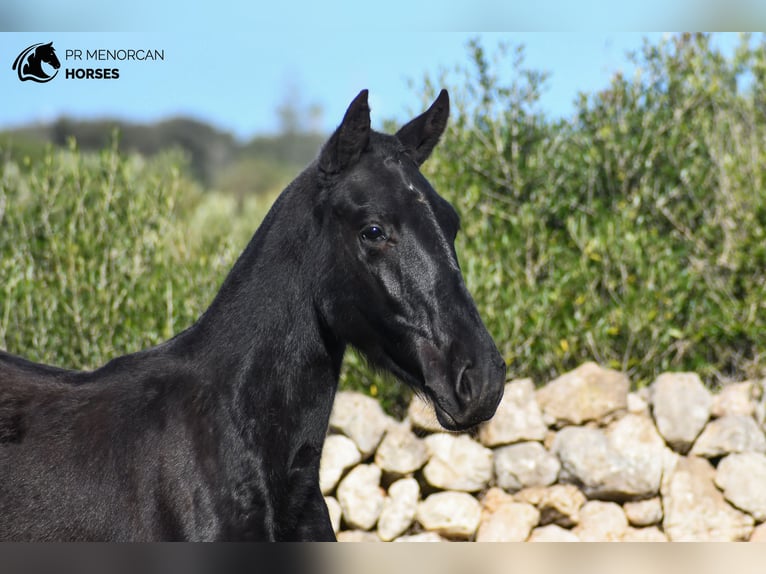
(30, 62)
(217, 433)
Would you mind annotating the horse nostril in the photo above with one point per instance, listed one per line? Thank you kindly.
(464, 391)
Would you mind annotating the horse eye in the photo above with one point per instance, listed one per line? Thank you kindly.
(373, 233)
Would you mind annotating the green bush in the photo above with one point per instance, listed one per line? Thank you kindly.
(102, 255)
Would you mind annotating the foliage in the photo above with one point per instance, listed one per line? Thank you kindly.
(101, 255)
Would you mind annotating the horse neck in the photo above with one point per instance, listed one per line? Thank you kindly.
(262, 337)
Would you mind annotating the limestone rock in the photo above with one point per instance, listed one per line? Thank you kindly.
(637, 404)
(759, 408)
(452, 514)
(644, 512)
(338, 454)
(361, 497)
(421, 537)
(494, 498)
(361, 419)
(625, 462)
(649, 534)
(518, 417)
(735, 399)
(423, 416)
(401, 452)
(586, 458)
(589, 393)
(681, 407)
(759, 533)
(559, 504)
(333, 508)
(728, 434)
(550, 436)
(601, 522)
(457, 463)
(642, 448)
(742, 477)
(511, 522)
(525, 464)
(695, 510)
(399, 508)
(552, 533)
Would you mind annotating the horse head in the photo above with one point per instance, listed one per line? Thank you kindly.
(397, 292)
(46, 53)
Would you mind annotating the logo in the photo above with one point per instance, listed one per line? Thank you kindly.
(29, 64)
(39, 62)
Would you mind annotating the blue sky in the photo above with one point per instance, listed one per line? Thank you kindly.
(238, 81)
(236, 78)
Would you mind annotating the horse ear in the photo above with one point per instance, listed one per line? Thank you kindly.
(346, 145)
(421, 135)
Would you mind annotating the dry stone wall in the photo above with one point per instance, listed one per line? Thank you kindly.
(582, 458)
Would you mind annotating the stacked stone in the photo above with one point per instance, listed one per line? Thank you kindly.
(580, 459)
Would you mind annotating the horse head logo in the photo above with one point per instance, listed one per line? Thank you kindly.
(29, 64)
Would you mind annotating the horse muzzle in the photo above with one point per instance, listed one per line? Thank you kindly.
(464, 392)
